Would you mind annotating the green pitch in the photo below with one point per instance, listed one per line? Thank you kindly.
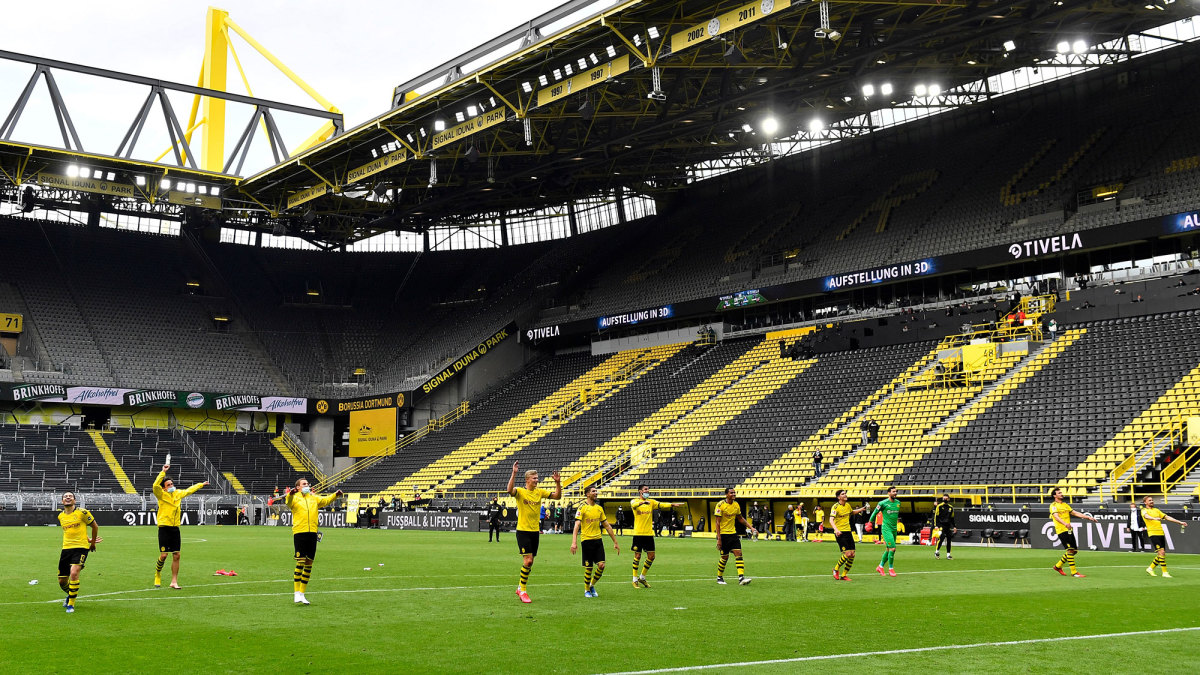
(444, 602)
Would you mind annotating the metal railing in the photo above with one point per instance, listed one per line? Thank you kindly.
(371, 460)
(1170, 435)
(1176, 471)
(210, 472)
(302, 453)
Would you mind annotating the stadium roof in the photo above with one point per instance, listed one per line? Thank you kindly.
(632, 97)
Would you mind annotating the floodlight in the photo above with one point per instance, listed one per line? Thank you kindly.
(586, 110)
(72, 171)
(868, 90)
(769, 126)
(1079, 46)
(439, 125)
(1063, 47)
(919, 90)
(1009, 45)
(85, 172)
(935, 89)
(526, 87)
(747, 128)
(164, 184)
(816, 125)
(653, 32)
(611, 51)
(472, 154)
(886, 89)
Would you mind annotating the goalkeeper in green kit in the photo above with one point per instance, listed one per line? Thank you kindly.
(890, 508)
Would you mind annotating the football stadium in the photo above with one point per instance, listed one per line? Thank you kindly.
(879, 317)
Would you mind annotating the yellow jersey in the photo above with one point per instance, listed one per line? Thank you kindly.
(306, 509)
(1063, 510)
(589, 517)
(1154, 528)
(643, 515)
(840, 514)
(168, 502)
(728, 514)
(75, 528)
(529, 508)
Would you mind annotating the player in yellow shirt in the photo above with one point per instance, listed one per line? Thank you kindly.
(588, 520)
(1060, 513)
(529, 507)
(169, 506)
(839, 518)
(1158, 536)
(727, 516)
(306, 508)
(643, 531)
(75, 547)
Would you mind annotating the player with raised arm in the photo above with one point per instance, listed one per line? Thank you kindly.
(588, 520)
(529, 504)
(1060, 513)
(643, 531)
(1158, 536)
(889, 509)
(75, 547)
(839, 519)
(169, 501)
(728, 515)
(306, 508)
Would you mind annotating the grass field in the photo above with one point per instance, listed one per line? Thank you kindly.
(444, 602)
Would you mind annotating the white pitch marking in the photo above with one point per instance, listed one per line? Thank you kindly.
(913, 650)
(157, 595)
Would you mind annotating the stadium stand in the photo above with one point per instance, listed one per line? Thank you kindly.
(651, 391)
(49, 459)
(1090, 409)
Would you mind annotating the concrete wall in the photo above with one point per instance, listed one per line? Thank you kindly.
(648, 340)
(499, 364)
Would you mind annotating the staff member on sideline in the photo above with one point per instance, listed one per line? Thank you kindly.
(306, 507)
(169, 506)
(943, 517)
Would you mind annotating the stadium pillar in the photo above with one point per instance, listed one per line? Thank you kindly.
(571, 219)
(620, 195)
(503, 230)
(212, 76)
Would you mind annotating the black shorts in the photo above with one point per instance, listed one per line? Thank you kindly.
(527, 542)
(845, 541)
(1067, 539)
(642, 543)
(306, 544)
(947, 533)
(730, 542)
(1159, 541)
(592, 551)
(71, 556)
(168, 539)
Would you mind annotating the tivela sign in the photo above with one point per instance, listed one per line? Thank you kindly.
(429, 520)
(1111, 533)
(324, 518)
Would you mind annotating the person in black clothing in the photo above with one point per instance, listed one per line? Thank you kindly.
(493, 516)
(789, 523)
(754, 515)
(943, 517)
(620, 524)
(1137, 528)
(873, 431)
(865, 427)
(674, 523)
(817, 457)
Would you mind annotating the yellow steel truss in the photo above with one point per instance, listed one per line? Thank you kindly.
(209, 112)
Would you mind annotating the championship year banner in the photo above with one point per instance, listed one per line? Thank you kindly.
(583, 80)
(429, 520)
(372, 432)
(723, 23)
